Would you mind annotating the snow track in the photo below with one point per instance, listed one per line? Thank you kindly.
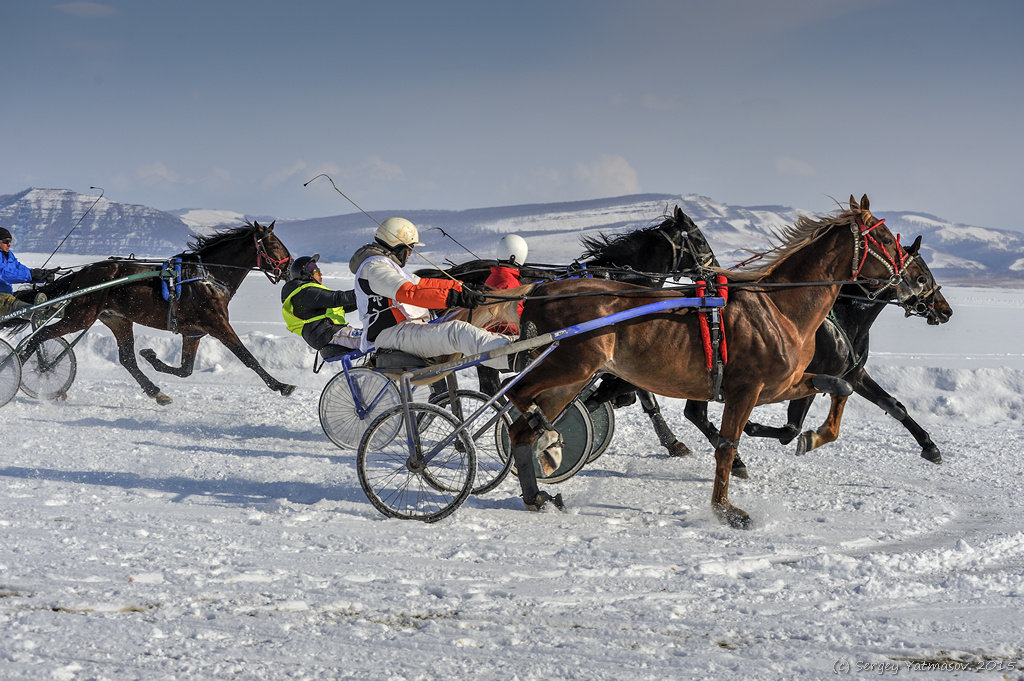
(223, 536)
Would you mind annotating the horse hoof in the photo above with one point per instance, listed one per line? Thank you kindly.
(287, 390)
(148, 353)
(932, 454)
(803, 443)
(542, 498)
(739, 471)
(161, 398)
(677, 448)
(736, 518)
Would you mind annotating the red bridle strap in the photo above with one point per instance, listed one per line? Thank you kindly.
(896, 264)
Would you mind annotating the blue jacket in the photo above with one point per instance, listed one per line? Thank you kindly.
(12, 272)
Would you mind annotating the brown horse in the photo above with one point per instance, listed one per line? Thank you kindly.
(211, 273)
(772, 315)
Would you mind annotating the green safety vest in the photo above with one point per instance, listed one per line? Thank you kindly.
(295, 324)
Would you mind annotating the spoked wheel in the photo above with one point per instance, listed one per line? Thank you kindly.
(577, 431)
(489, 433)
(49, 370)
(10, 373)
(339, 414)
(404, 477)
(603, 418)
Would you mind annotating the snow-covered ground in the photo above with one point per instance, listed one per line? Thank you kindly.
(223, 536)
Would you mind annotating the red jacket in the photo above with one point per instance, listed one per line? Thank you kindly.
(502, 277)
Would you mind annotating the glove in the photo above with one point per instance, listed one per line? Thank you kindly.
(40, 275)
(468, 298)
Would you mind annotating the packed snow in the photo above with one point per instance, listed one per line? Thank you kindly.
(224, 536)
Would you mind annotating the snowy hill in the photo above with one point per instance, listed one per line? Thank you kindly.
(40, 218)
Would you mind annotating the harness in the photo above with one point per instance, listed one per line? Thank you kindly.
(170, 286)
(712, 332)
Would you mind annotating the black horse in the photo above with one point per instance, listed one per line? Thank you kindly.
(648, 257)
(841, 349)
(194, 303)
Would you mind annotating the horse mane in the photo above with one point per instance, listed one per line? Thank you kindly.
(609, 248)
(200, 243)
(804, 231)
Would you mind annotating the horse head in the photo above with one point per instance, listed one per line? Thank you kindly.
(882, 267)
(693, 250)
(926, 300)
(272, 256)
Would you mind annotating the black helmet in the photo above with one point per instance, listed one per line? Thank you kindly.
(304, 267)
(4, 234)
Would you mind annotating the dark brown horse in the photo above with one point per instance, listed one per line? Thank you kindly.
(210, 274)
(771, 318)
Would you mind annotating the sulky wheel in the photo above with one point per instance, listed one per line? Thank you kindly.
(489, 432)
(410, 477)
(603, 418)
(48, 371)
(351, 401)
(10, 373)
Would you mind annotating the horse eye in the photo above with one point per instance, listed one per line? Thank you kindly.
(922, 280)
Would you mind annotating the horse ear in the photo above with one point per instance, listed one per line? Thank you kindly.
(915, 247)
(679, 213)
(271, 227)
(854, 206)
(864, 203)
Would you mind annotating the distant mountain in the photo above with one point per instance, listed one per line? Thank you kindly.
(40, 218)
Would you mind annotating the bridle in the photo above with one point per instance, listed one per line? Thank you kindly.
(273, 268)
(865, 244)
(702, 259)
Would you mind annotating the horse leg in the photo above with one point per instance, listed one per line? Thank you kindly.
(189, 347)
(795, 413)
(734, 417)
(697, 413)
(226, 335)
(665, 435)
(868, 389)
(125, 337)
(827, 431)
(535, 439)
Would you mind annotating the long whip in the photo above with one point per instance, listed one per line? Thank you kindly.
(376, 222)
(76, 224)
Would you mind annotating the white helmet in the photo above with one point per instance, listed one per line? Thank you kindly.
(398, 232)
(512, 248)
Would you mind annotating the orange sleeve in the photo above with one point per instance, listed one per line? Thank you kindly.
(429, 293)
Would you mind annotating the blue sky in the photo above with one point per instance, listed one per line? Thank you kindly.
(454, 105)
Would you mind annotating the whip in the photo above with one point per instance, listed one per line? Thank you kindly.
(76, 224)
(376, 222)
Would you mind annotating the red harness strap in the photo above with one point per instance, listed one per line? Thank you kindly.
(722, 290)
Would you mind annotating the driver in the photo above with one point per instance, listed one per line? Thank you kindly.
(394, 304)
(13, 272)
(314, 311)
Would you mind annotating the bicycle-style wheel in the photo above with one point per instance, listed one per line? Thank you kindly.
(340, 415)
(48, 371)
(577, 431)
(489, 433)
(10, 373)
(405, 477)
